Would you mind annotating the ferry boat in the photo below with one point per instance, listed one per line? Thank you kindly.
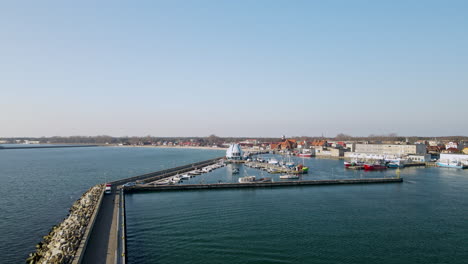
(247, 179)
(451, 164)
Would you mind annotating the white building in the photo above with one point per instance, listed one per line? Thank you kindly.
(234, 152)
(391, 149)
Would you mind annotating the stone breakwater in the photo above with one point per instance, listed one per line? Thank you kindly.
(61, 244)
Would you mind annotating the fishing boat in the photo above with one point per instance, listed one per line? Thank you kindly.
(399, 163)
(305, 153)
(451, 164)
(375, 166)
(235, 171)
(247, 179)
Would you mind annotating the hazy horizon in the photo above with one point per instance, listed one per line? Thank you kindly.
(263, 68)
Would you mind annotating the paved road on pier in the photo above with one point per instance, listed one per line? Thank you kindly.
(98, 244)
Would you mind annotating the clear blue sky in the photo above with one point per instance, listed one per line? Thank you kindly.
(233, 68)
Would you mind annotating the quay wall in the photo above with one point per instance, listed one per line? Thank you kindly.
(64, 243)
(258, 184)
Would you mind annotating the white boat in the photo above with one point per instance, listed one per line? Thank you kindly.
(207, 169)
(175, 179)
(247, 179)
(185, 177)
(273, 161)
(289, 176)
(235, 171)
(195, 172)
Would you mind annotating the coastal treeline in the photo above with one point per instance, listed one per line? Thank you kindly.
(211, 140)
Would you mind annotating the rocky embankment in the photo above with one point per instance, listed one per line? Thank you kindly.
(61, 244)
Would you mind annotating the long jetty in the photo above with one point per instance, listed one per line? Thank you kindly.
(147, 188)
(48, 147)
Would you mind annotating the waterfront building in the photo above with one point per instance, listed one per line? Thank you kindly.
(420, 157)
(434, 149)
(451, 151)
(454, 157)
(287, 144)
(319, 143)
(321, 151)
(391, 149)
(234, 152)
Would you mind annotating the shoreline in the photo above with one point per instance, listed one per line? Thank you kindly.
(172, 147)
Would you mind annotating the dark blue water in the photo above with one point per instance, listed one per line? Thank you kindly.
(38, 186)
(422, 220)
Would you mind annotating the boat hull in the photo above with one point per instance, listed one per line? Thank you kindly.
(374, 167)
(445, 165)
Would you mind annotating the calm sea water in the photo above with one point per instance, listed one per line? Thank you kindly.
(38, 186)
(423, 220)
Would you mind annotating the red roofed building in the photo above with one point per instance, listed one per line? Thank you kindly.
(451, 150)
(434, 149)
(319, 143)
(287, 144)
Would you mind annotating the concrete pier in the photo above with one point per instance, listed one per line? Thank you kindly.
(178, 187)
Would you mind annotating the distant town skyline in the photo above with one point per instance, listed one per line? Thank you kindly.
(233, 69)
